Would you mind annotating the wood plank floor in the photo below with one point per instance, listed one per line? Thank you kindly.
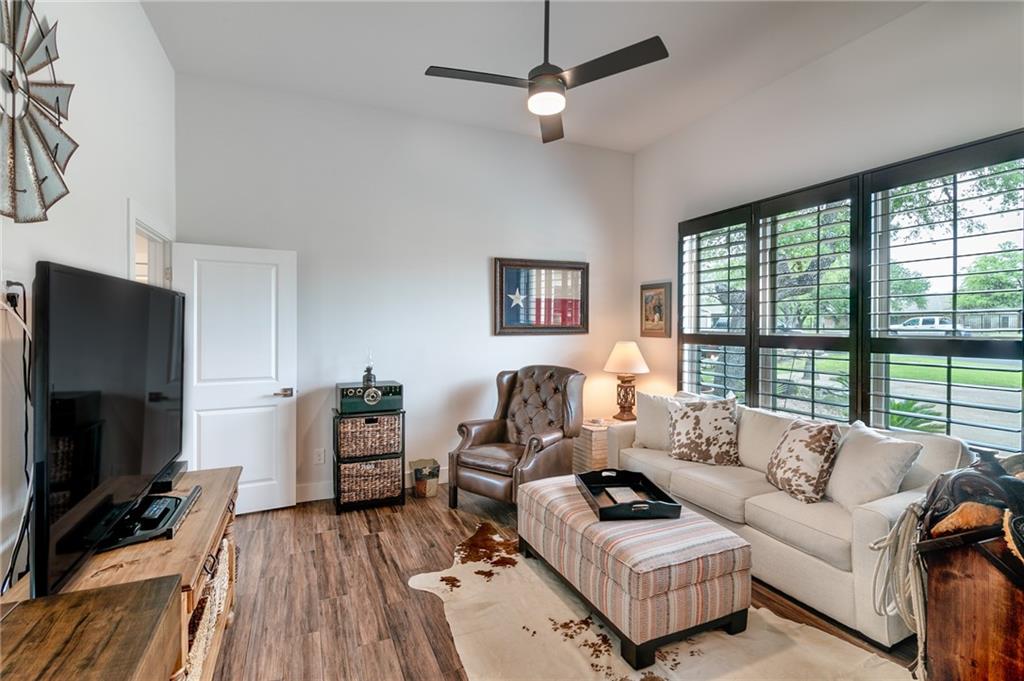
(323, 597)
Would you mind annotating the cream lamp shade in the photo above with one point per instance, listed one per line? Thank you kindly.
(626, 359)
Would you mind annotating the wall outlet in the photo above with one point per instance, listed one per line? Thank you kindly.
(318, 455)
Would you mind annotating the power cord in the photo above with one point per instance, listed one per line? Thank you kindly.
(12, 302)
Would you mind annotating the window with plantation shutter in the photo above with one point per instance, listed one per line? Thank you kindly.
(894, 296)
(714, 370)
(805, 270)
(946, 304)
(811, 383)
(804, 343)
(715, 280)
(713, 310)
(974, 398)
(946, 255)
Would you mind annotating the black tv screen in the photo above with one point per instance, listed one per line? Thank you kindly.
(107, 389)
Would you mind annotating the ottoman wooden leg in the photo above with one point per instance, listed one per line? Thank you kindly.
(737, 623)
(637, 656)
(524, 548)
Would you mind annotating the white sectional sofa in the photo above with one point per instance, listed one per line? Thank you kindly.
(817, 553)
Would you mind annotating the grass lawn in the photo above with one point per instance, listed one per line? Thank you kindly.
(972, 372)
(975, 372)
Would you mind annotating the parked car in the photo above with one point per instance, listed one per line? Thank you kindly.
(930, 325)
(722, 324)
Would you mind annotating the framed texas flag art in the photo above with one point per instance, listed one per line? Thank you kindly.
(540, 297)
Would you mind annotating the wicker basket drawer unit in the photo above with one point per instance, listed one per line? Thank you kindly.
(369, 466)
(368, 435)
(377, 479)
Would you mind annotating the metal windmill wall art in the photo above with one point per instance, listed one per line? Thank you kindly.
(34, 148)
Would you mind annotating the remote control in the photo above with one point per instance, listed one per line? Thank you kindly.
(157, 508)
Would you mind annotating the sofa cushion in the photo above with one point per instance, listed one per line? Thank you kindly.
(499, 457)
(869, 465)
(653, 421)
(801, 463)
(657, 465)
(704, 431)
(723, 490)
(759, 432)
(822, 530)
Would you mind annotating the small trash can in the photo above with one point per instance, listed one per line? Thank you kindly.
(425, 473)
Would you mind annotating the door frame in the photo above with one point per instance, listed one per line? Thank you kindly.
(142, 220)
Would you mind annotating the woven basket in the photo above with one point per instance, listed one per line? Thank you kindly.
(369, 435)
(203, 625)
(369, 480)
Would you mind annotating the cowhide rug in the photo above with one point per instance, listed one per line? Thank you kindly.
(512, 619)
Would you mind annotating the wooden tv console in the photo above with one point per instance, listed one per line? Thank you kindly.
(201, 555)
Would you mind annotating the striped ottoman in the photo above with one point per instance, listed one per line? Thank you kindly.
(651, 581)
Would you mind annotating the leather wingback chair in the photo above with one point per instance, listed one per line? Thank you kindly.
(540, 411)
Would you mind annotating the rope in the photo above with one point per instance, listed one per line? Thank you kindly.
(898, 580)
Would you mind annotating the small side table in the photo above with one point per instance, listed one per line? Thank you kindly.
(590, 449)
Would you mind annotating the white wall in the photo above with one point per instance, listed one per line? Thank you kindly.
(395, 220)
(122, 115)
(941, 75)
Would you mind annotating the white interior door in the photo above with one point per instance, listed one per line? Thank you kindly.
(240, 367)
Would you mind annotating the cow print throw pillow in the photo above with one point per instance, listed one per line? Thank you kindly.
(704, 431)
(802, 462)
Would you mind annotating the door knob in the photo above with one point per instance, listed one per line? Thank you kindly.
(285, 392)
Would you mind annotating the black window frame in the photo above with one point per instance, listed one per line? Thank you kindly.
(860, 343)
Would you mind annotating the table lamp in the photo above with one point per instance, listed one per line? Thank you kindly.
(627, 362)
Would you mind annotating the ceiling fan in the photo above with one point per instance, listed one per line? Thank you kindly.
(546, 84)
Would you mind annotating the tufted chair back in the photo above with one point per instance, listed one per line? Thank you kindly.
(539, 399)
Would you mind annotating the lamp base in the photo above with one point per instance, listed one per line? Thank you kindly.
(626, 397)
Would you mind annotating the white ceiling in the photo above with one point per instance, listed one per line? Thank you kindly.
(375, 53)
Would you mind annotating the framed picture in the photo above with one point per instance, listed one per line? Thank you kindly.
(656, 310)
(540, 297)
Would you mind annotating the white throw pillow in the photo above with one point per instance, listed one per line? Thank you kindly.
(869, 465)
(705, 432)
(652, 420)
(759, 432)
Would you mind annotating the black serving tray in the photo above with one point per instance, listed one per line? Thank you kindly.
(654, 503)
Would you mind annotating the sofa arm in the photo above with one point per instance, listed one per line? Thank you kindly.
(871, 522)
(620, 436)
(481, 431)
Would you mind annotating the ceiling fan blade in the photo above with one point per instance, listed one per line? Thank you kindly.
(638, 54)
(551, 128)
(478, 76)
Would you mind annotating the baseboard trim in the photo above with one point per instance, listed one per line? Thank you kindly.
(324, 489)
(314, 491)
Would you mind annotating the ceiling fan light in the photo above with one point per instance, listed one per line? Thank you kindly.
(547, 96)
(546, 103)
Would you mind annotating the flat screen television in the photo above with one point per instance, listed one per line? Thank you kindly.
(107, 398)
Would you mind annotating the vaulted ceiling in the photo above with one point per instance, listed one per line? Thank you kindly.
(374, 53)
